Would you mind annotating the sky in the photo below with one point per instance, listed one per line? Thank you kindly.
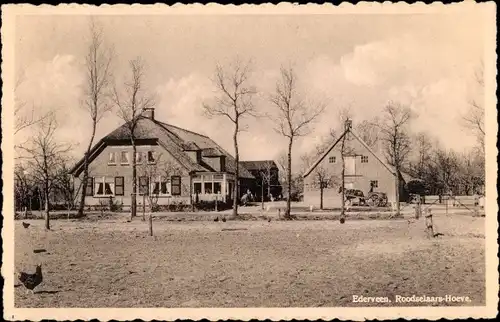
(425, 61)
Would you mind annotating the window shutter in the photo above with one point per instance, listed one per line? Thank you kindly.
(176, 185)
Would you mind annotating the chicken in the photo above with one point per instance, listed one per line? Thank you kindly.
(342, 220)
(25, 224)
(30, 281)
(216, 219)
(224, 219)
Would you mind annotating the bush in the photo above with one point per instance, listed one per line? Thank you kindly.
(115, 205)
(210, 205)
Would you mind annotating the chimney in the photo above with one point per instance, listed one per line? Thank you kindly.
(149, 112)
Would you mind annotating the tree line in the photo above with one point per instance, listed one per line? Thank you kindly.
(44, 164)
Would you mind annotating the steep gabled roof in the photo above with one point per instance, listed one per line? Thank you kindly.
(334, 144)
(173, 139)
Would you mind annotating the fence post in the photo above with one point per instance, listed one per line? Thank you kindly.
(446, 204)
(150, 224)
(429, 224)
(143, 207)
(418, 208)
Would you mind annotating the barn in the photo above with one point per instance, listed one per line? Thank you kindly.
(364, 170)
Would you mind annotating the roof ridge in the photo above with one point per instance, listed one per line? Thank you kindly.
(183, 129)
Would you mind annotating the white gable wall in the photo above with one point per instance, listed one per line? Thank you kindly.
(358, 174)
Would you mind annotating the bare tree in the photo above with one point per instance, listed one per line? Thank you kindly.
(448, 167)
(46, 158)
(161, 169)
(24, 118)
(23, 187)
(474, 118)
(266, 176)
(396, 139)
(234, 102)
(368, 132)
(293, 118)
(421, 156)
(131, 101)
(66, 188)
(322, 177)
(96, 92)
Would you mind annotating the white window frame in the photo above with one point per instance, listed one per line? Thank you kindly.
(375, 183)
(110, 162)
(103, 181)
(159, 180)
(127, 162)
(332, 159)
(208, 178)
(364, 157)
(138, 157)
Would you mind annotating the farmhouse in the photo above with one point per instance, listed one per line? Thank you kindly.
(173, 164)
(267, 183)
(364, 170)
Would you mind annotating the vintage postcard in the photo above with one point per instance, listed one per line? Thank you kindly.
(249, 162)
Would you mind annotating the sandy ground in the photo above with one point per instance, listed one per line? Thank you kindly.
(112, 263)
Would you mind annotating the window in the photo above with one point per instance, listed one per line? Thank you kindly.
(208, 187)
(89, 191)
(112, 158)
(217, 187)
(332, 159)
(104, 187)
(374, 183)
(151, 157)
(364, 159)
(124, 157)
(143, 185)
(197, 187)
(176, 185)
(119, 186)
(160, 186)
(138, 157)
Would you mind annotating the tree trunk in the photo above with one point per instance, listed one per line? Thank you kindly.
(321, 196)
(237, 170)
(269, 183)
(289, 180)
(342, 209)
(47, 209)
(262, 195)
(133, 199)
(398, 206)
(86, 170)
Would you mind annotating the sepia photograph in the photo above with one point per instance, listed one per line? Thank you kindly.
(269, 162)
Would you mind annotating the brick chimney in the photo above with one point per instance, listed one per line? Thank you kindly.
(149, 112)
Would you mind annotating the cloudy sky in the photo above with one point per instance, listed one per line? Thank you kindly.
(426, 61)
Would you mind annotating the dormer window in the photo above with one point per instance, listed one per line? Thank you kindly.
(124, 157)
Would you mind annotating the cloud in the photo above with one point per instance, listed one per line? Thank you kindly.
(420, 73)
(54, 86)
